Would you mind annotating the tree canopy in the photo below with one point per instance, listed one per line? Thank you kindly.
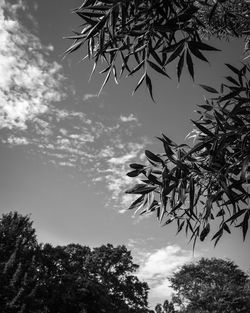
(74, 278)
(211, 285)
(190, 185)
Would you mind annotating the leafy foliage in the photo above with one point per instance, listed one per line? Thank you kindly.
(144, 36)
(18, 246)
(167, 307)
(211, 285)
(73, 278)
(195, 186)
(192, 186)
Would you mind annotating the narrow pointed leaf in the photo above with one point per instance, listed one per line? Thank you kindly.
(208, 88)
(139, 83)
(149, 86)
(158, 69)
(180, 65)
(190, 64)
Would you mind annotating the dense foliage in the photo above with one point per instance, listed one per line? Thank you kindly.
(211, 285)
(191, 186)
(140, 36)
(63, 279)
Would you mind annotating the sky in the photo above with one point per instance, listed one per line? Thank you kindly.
(65, 151)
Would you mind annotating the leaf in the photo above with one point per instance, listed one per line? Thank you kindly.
(137, 166)
(140, 189)
(203, 129)
(105, 81)
(139, 83)
(198, 147)
(155, 56)
(230, 95)
(232, 80)
(218, 235)
(235, 216)
(190, 64)
(97, 27)
(212, 11)
(203, 46)
(197, 52)
(158, 69)
(191, 195)
(135, 69)
(153, 157)
(177, 52)
(149, 86)
(208, 88)
(180, 227)
(226, 228)
(133, 173)
(205, 232)
(245, 224)
(74, 47)
(180, 65)
(136, 203)
(233, 69)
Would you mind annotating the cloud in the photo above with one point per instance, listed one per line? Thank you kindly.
(89, 96)
(115, 173)
(33, 85)
(130, 118)
(157, 266)
(30, 82)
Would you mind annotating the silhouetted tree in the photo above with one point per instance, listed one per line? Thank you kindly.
(211, 285)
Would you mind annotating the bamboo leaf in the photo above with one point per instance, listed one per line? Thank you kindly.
(149, 86)
(205, 232)
(208, 88)
(245, 224)
(180, 65)
(197, 52)
(140, 189)
(136, 203)
(139, 83)
(176, 52)
(105, 81)
(158, 69)
(190, 64)
(203, 129)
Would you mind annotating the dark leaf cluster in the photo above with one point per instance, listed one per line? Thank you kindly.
(197, 186)
(143, 36)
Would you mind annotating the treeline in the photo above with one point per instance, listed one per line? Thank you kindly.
(40, 278)
(36, 278)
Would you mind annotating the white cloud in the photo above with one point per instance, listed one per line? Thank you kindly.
(130, 118)
(89, 96)
(13, 140)
(157, 266)
(31, 86)
(30, 82)
(115, 174)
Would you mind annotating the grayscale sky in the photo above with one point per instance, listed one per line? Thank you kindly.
(65, 151)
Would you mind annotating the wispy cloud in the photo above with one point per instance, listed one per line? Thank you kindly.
(129, 118)
(30, 82)
(89, 96)
(117, 166)
(30, 92)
